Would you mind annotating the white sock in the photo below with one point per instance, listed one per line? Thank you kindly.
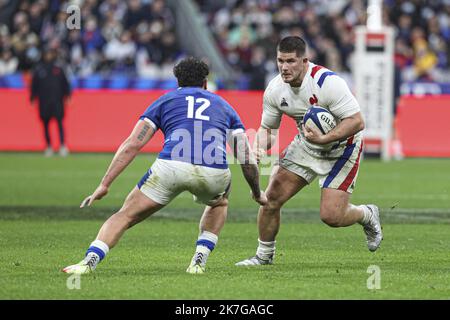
(206, 243)
(266, 249)
(92, 259)
(367, 215)
(98, 248)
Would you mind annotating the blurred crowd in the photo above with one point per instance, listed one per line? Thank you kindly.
(247, 32)
(133, 37)
(137, 37)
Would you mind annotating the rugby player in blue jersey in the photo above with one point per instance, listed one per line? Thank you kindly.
(196, 125)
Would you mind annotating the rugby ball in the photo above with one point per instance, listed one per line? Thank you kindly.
(321, 119)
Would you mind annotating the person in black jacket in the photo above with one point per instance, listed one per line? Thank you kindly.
(51, 87)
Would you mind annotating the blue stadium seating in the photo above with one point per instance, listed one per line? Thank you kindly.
(168, 84)
(243, 83)
(14, 81)
(93, 82)
(145, 84)
(113, 82)
(118, 82)
(74, 82)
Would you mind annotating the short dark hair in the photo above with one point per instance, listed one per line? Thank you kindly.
(191, 72)
(291, 44)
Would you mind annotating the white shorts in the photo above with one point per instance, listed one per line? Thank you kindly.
(168, 178)
(337, 171)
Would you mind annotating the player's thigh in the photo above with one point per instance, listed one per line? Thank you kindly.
(333, 203)
(210, 186)
(344, 170)
(338, 185)
(163, 182)
(288, 176)
(283, 185)
(137, 206)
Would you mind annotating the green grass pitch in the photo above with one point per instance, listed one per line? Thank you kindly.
(42, 230)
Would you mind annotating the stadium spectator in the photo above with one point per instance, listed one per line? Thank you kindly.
(36, 17)
(117, 8)
(75, 53)
(257, 69)
(134, 14)
(329, 28)
(91, 36)
(51, 88)
(24, 42)
(112, 28)
(120, 52)
(157, 10)
(239, 26)
(158, 49)
(8, 63)
(424, 59)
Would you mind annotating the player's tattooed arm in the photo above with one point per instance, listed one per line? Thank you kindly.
(128, 150)
(143, 132)
(242, 152)
(251, 174)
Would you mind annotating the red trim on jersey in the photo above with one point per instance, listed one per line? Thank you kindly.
(314, 70)
(350, 140)
(351, 176)
(375, 36)
(313, 100)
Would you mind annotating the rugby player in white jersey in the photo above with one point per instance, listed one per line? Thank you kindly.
(333, 157)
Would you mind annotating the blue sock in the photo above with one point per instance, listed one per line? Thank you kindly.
(99, 248)
(205, 244)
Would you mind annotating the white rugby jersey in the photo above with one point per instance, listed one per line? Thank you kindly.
(320, 86)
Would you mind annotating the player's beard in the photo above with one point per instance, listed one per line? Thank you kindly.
(294, 81)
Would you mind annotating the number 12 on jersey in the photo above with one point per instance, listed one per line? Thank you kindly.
(205, 103)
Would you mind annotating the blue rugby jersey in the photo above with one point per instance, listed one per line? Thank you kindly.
(195, 124)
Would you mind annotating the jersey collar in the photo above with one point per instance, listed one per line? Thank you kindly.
(296, 90)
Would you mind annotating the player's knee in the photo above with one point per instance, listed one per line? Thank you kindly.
(273, 202)
(331, 217)
(223, 202)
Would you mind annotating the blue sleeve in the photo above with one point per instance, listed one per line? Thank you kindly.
(235, 120)
(153, 112)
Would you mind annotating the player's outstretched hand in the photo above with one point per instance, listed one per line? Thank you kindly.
(262, 199)
(99, 193)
